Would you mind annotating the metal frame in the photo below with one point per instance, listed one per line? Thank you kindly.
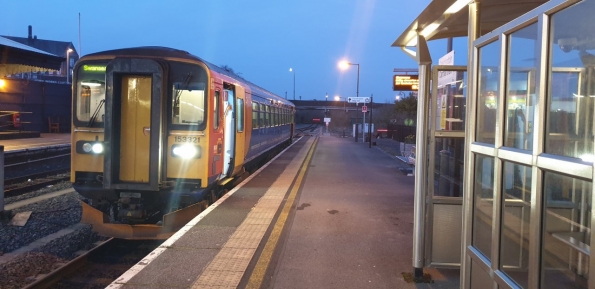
(536, 159)
(429, 171)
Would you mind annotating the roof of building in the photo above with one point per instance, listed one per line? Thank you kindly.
(54, 47)
(17, 58)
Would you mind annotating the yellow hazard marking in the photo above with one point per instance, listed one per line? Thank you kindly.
(264, 260)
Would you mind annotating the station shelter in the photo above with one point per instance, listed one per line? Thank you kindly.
(504, 174)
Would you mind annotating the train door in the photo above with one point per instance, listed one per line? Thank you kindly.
(133, 124)
(217, 135)
(228, 130)
(240, 135)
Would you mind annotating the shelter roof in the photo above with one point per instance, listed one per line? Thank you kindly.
(494, 13)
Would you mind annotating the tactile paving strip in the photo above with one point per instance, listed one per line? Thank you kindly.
(227, 268)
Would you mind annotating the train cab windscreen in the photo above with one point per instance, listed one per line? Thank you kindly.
(90, 94)
(188, 102)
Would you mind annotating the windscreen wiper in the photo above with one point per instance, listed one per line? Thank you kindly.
(179, 92)
(94, 116)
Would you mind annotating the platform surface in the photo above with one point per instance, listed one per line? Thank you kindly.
(346, 216)
(45, 140)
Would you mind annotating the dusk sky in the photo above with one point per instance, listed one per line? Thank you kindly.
(259, 39)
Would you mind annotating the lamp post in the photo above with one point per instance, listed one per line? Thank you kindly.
(68, 65)
(291, 70)
(344, 65)
(326, 105)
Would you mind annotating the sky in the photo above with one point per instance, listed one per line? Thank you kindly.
(259, 39)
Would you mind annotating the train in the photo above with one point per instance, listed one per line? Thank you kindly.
(158, 134)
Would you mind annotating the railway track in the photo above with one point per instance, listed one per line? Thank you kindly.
(31, 169)
(25, 184)
(98, 267)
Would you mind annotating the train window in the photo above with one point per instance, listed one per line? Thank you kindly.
(188, 103)
(254, 115)
(90, 93)
(188, 96)
(267, 115)
(273, 117)
(240, 115)
(216, 110)
(261, 116)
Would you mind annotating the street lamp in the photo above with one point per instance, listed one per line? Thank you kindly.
(68, 65)
(344, 65)
(291, 70)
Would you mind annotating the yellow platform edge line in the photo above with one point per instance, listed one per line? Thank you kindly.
(265, 257)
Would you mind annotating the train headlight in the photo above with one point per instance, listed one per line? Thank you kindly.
(185, 151)
(89, 147)
(97, 148)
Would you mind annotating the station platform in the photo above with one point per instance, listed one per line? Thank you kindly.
(4, 135)
(44, 140)
(326, 213)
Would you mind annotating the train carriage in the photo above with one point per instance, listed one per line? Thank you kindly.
(158, 134)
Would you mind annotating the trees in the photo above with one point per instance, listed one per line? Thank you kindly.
(406, 109)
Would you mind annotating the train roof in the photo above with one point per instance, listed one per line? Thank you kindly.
(159, 51)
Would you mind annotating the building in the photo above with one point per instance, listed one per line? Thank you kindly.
(57, 48)
(35, 85)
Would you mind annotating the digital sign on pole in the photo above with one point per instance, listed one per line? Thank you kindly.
(405, 82)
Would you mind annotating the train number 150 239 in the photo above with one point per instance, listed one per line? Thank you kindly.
(187, 139)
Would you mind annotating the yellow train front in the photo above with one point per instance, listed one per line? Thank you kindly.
(158, 134)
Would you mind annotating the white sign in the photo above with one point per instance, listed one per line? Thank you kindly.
(447, 77)
(358, 99)
(327, 119)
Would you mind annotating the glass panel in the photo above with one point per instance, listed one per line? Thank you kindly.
(267, 116)
(571, 93)
(566, 234)
(479, 277)
(482, 204)
(188, 96)
(188, 103)
(489, 82)
(90, 95)
(254, 115)
(521, 98)
(448, 173)
(451, 100)
(216, 110)
(240, 114)
(516, 209)
(261, 118)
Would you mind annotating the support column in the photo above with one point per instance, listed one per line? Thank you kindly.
(473, 32)
(1, 181)
(419, 202)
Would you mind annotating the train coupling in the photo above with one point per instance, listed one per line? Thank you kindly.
(130, 208)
